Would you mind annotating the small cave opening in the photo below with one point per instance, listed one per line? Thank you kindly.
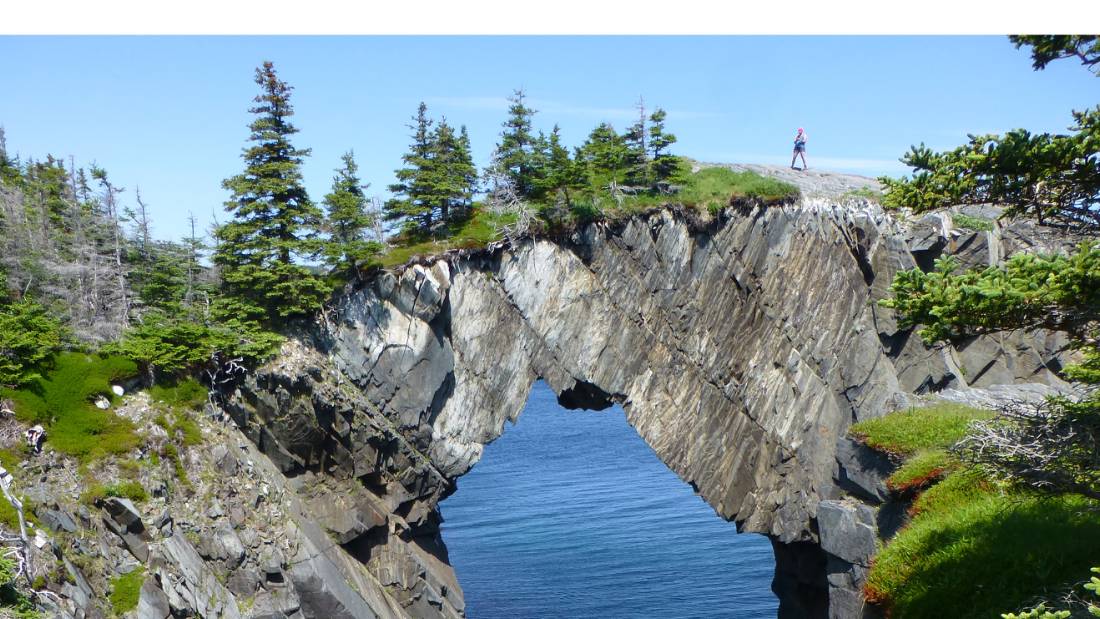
(570, 514)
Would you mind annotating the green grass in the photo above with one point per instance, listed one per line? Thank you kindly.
(904, 433)
(479, 230)
(124, 490)
(866, 193)
(61, 400)
(188, 393)
(921, 470)
(973, 549)
(978, 224)
(709, 190)
(713, 189)
(126, 591)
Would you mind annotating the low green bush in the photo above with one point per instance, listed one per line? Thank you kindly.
(124, 490)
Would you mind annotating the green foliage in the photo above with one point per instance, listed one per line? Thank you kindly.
(604, 157)
(175, 346)
(348, 219)
(1051, 177)
(977, 224)
(274, 222)
(126, 591)
(28, 338)
(480, 229)
(61, 400)
(124, 490)
(865, 193)
(1048, 48)
(974, 548)
(13, 602)
(907, 432)
(1056, 292)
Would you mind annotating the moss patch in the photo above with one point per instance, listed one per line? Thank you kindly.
(61, 400)
(124, 490)
(187, 394)
(920, 471)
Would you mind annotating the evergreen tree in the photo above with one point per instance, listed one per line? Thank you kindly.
(348, 220)
(412, 201)
(637, 158)
(563, 173)
(274, 222)
(450, 172)
(662, 163)
(604, 156)
(515, 153)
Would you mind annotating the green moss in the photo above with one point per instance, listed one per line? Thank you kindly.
(126, 590)
(61, 400)
(973, 549)
(921, 470)
(478, 230)
(906, 432)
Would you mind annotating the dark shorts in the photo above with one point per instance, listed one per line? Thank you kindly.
(800, 147)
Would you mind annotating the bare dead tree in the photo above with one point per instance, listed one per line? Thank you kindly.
(1051, 446)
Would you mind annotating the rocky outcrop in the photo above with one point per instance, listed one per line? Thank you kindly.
(741, 348)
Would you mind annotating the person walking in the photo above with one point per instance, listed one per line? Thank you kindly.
(799, 149)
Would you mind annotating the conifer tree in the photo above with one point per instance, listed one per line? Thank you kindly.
(604, 156)
(515, 153)
(348, 219)
(637, 158)
(451, 171)
(662, 163)
(412, 193)
(274, 222)
(563, 173)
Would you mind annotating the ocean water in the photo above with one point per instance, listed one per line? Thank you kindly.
(570, 514)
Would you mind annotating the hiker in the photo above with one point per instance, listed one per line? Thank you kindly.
(799, 149)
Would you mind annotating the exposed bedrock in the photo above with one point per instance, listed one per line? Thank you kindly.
(742, 349)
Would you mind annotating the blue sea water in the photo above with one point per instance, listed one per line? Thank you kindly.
(570, 514)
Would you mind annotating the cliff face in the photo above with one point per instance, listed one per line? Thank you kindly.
(741, 349)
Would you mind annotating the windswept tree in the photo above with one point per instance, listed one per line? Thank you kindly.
(274, 225)
(348, 219)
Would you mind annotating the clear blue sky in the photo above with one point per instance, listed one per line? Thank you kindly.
(169, 114)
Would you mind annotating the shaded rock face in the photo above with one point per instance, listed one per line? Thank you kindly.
(741, 349)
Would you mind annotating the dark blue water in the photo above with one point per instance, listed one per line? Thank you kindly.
(570, 514)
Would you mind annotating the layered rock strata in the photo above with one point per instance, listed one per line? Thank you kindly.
(741, 348)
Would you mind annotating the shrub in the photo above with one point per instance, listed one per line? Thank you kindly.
(124, 490)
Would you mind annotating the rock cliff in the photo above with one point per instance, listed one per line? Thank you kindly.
(742, 346)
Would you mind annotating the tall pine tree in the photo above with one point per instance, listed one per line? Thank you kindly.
(274, 223)
(637, 159)
(348, 219)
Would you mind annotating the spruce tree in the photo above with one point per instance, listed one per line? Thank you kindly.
(451, 171)
(412, 201)
(514, 154)
(604, 156)
(563, 173)
(637, 159)
(274, 222)
(662, 163)
(348, 220)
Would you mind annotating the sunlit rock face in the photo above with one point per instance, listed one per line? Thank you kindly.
(741, 347)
